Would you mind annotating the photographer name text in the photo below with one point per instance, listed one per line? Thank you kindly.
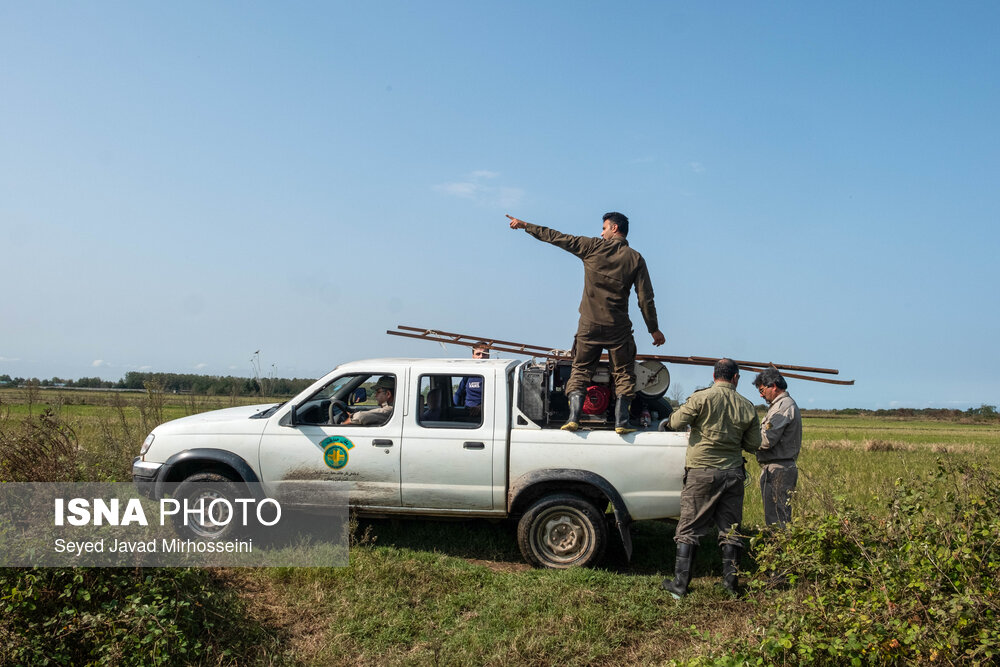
(166, 546)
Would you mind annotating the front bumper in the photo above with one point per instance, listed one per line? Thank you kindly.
(144, 476)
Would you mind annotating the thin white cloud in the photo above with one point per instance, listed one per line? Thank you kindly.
(100, 363)
(200, 366)
(480, 187)
(9, 359)
(697, 167)
(463, 190)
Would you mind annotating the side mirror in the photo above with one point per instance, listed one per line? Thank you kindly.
(294, 416)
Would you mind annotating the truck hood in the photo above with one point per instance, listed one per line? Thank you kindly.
(228, 420)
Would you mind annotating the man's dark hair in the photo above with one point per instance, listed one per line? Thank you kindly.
(770, 377)
(725, 369)
(617, 218)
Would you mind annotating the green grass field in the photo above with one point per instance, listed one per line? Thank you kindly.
(458, 592)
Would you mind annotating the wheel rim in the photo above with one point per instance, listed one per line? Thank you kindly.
(208, 529)
(562, 536)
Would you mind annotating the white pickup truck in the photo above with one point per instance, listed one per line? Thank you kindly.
(465, 438)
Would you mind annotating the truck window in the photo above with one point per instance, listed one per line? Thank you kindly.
(346, 396)
(450, 401)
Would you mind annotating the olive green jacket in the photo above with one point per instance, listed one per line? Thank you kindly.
(723, 424)
(610, 269)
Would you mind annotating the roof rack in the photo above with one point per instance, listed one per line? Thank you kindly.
(468, 340)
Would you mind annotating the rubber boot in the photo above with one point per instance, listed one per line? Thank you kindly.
(621, 415)
(678, 586)
(575, 410)
(730, 565)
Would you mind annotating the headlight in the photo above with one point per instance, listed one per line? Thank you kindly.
(146, 444)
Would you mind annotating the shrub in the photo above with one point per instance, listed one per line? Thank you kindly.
(38, 449)
(67, 616)
(986, 411)
(919, 585)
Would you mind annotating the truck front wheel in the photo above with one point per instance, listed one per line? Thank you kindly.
(562, 531)
(214, 494)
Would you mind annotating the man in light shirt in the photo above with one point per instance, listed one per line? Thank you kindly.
(781, 435)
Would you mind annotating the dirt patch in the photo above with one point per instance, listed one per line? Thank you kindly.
(500, 566)
(303, 630)
(690, 633)
(878, 445)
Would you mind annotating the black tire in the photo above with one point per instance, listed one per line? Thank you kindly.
(207, 486)
(562, 531)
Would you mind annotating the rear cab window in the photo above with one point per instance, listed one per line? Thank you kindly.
(450, 401)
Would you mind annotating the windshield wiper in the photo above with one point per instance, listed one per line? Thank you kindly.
(267, 413)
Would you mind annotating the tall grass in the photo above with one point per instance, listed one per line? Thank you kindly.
(457, 592)
(115, 616)
(105, 428)
(859, 459)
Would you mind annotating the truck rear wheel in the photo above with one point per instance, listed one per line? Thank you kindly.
(562, 531)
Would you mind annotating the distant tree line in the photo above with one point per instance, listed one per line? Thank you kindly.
(982, 412)
(176, 383)
(213, 385)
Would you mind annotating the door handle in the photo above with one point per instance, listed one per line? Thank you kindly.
(474, 445)
(381, 443)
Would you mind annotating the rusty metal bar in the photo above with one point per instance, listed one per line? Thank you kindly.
(436, 335)
(476, 339)
(807, 369)
(519, 349)
(815, 379)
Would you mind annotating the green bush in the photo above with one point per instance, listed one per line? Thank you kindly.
(920, 584)
(66, 616)
(987, 411)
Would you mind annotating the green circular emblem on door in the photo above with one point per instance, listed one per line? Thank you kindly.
(335, 450)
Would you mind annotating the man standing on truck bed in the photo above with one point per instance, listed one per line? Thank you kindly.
(610, 269)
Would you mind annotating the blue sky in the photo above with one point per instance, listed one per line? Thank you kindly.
(183, 184)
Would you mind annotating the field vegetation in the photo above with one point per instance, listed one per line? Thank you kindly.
(893, 558)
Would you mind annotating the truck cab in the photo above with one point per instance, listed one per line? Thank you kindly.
(445, 438)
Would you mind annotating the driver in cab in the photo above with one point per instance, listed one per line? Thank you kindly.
(385, 394)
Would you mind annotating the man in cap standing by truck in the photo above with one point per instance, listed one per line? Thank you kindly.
(723, 424)
(611, 268)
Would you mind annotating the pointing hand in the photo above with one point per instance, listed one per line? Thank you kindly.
(516, 224)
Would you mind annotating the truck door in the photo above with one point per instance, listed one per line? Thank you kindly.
(324, 445)
(447, 457)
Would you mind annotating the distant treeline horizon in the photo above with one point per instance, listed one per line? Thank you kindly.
(210, 385)
(228, 385)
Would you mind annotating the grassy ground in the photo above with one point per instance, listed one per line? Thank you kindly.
(859, 458)
(438, 592)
